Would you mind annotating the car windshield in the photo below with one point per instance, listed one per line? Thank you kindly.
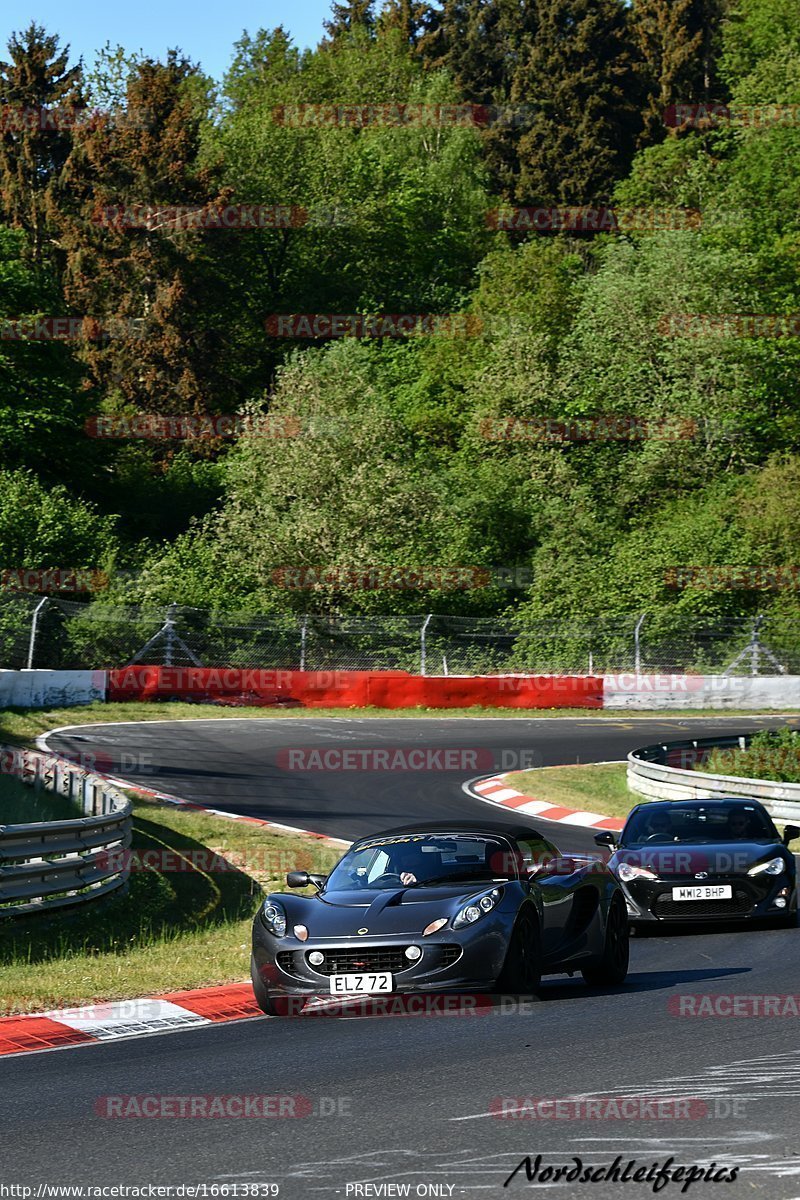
(423, 860)
(655, 824)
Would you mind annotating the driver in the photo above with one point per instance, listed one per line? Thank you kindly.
(738, 823)
(658, 823)
(412, 865)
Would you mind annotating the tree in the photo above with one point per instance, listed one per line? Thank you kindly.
(151, 286)
(350, 16)
(481, 44)
(578, 84)
(407, 16)
(679, 43)
(35, 141)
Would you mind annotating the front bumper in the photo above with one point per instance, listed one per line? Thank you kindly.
(753, 898)
(447, 961)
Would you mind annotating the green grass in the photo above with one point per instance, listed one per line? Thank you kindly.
(600, 789)
(21, 804)
(185, 927)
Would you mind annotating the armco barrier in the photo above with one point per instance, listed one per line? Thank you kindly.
(353, 689)
(663, 772)
(55, 864)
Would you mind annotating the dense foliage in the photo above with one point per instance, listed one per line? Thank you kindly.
(425, 450)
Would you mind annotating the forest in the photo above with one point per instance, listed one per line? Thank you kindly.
(480, 308)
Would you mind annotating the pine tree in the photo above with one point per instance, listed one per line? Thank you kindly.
(481, 44)
(579, 103)
(408, 16)
(350, 16)
(152, 286)
(678, 41)
(39, 96)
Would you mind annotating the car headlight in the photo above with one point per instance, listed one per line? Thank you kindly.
(477, 908)
(627, 872)
(274, 917)
(774, 866)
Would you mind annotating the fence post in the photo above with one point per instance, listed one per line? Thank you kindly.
(303, 635)
(34, 631)
(637, 648)
(422, 644)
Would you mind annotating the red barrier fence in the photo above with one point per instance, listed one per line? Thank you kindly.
(353, 689)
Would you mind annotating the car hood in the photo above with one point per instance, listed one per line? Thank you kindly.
(690, 858)
(385, 912)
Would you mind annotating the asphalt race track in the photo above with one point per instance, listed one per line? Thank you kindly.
(408, 1101)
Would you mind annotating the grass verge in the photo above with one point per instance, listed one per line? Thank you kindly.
(184, 922)
(601, 789)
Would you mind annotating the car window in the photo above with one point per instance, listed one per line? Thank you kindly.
(536, 850)
(681, 823)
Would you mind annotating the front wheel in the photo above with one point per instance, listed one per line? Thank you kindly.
(612, 967)
(522, 969)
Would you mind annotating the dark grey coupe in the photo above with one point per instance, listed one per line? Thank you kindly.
(441, 907)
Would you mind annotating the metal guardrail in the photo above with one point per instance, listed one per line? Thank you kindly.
(46, 865)
(663, 772)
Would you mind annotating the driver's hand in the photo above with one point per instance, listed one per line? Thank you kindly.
(407, 877)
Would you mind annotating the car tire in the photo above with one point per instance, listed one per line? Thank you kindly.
(612, 968)
(273, 1006)
(522, 969)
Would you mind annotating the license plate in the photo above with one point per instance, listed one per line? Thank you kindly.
(380, 981)
(708, 891)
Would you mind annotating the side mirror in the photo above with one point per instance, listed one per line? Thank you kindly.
(790, 832)
(298, 879)
(606, 838)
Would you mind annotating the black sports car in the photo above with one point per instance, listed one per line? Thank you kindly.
(708, 860)
(441, 907)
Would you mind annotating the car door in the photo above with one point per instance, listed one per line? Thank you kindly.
(554, 876)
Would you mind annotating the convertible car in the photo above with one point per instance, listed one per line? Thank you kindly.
(441, 907)
(704, 860)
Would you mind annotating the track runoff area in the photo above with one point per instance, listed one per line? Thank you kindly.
(685, 1081)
